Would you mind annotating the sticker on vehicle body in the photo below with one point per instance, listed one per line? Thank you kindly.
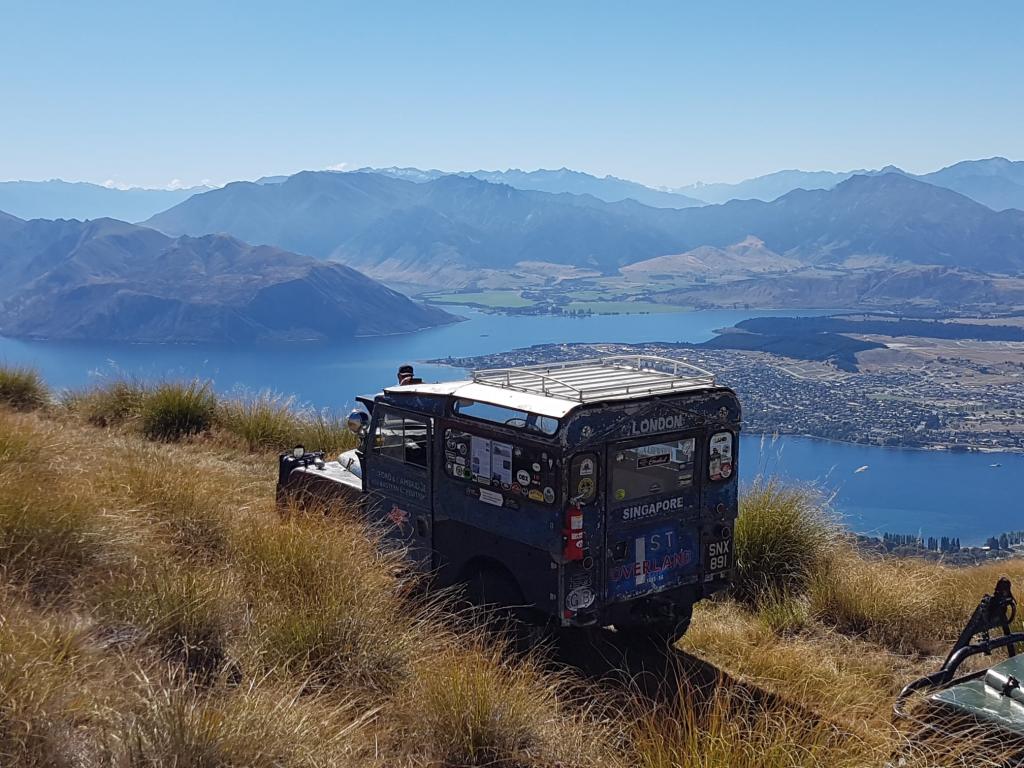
(642, 462)
(720, 456)
(661, 557)
(579, 598)
(490, 497)
(398, 516)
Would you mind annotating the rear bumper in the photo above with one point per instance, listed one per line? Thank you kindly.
(658, 609)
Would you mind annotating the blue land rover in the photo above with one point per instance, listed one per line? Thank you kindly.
(578, 494)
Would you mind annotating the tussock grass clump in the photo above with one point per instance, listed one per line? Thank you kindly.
(23, 388)
(48, 535)
(900, 603)
(112, 404)
(269, 422)
(174, 725)
(188, 505)
(783, 536)
(41, 665)
(470, 705)
(327, 606)
(732, 731)
(264, 422)
(176, 410)
(188, 614)
(325, 431)
(783, 612)
(844, 677)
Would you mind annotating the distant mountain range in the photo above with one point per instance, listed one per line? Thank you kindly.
(429, 230)
(766, 188)
(56, 199)
(607, 188)
(433, 231)
(109, 280)
(995, 182)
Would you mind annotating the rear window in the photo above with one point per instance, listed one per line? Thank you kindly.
(652, 469)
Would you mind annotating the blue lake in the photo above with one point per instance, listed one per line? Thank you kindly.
(937, 493)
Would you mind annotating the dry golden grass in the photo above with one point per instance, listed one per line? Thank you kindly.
(224, 635)
(732, 731)
(41, 666)
(156, 610)
(165, 722)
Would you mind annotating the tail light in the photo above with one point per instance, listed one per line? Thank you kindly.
(573, 534)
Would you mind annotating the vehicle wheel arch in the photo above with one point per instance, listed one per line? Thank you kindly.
(490, 573)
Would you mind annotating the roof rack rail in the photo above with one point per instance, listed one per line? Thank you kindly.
(600, 378)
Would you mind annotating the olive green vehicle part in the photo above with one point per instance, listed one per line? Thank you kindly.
(991, 699)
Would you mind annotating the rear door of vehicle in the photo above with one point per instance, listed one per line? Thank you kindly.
(653, 507)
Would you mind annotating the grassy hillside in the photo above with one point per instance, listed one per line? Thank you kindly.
(156, 610)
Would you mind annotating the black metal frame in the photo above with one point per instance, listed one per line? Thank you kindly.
(995, 611)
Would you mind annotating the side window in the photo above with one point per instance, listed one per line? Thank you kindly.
(720, 461)
(518, 471)
(401, 438)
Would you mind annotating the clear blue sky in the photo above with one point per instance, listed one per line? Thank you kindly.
(663, 92)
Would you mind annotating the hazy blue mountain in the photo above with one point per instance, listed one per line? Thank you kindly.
(609, 188)
(110, 280)
(889, 215)
(366, 219)
(399, 229)
(766, 188)
(995, 182)
(56, 199)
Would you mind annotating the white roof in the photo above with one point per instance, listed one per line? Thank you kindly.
(556, 389)
(542, 405)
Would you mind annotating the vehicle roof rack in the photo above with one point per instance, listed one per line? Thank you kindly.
(600, 378)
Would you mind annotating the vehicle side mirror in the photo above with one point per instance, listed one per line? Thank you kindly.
(357, 423)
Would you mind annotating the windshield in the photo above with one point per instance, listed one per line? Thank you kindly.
(652, 469)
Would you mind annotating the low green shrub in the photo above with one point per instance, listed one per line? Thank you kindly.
(176, 410)
(23, 388)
